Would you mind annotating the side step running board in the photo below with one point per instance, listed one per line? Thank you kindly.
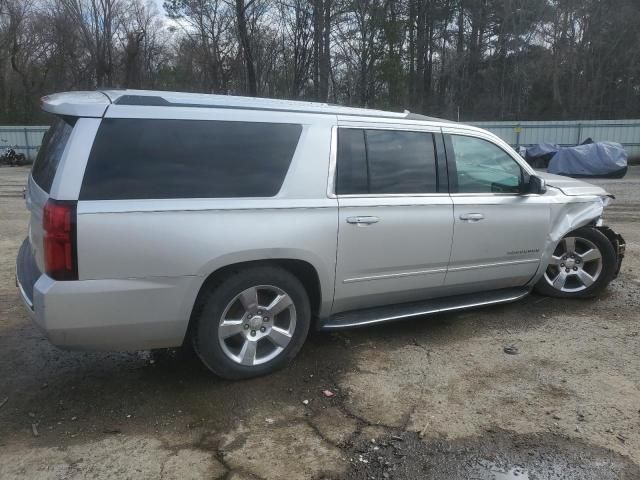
(388, 313)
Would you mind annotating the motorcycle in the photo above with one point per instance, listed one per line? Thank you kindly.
(12, 158)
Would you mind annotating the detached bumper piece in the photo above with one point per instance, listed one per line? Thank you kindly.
(27, 272)
(619, 245)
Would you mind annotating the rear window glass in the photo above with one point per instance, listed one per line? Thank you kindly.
(154, 159)
(53, 143)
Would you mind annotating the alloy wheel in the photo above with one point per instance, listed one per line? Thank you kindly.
(257, 325)
(575, 265)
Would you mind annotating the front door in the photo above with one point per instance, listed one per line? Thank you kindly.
(499, 232)
(395, 223)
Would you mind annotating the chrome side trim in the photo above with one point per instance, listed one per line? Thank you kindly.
(394, 275)
(487, 303)
(489, 265)
(88, 207)
(392, 195)
(106, 209)
(402, 127)
(410, 195)
(436, 270)
(430, 311)
(492, 194)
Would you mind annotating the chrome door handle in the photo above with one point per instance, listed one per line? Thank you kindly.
(363, 220)
(472, 217)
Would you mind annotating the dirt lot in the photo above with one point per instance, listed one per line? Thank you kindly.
(429, 398)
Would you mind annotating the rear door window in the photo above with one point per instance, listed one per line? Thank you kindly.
(401, 162)
(50, 153)
(156, 159)
(385, 162)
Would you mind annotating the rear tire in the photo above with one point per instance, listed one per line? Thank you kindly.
(252, 323)
(583, 264)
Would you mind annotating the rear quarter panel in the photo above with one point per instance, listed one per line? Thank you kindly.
(172, 243)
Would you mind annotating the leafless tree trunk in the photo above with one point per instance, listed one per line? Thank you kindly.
(245, 42)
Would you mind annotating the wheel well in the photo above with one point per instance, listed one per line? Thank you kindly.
(304, 271)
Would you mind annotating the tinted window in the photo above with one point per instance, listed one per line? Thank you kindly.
(385, 162)
(352, 162)
(401, 162)
(482, 167)
(53, 143)
(137, 159)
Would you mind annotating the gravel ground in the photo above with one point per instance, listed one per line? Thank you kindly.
(431, 398)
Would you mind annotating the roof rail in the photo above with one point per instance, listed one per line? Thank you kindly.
(94, 104)
(159, 101)
(179, 99)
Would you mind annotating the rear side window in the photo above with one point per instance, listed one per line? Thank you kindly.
(155, 159)
(352, 175)
(385, 162)
(48, 159)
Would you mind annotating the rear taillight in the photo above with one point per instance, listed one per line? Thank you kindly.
(60, 255)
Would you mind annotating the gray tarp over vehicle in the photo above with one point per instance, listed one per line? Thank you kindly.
(600, 159)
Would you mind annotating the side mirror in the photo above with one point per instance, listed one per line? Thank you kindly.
(537, 185)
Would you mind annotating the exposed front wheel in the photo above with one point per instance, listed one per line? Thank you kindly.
(252, 323)
(583, 263)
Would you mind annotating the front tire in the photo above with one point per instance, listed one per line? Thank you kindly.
(254, 322)
(583, 264)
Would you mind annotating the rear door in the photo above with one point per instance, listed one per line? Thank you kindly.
(395, 219)
(499, 232)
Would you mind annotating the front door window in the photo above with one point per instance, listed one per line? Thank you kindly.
(482, 167)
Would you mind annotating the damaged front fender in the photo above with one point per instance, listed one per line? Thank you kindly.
(569, 216)
(566, 215)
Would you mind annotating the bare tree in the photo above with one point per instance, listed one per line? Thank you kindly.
(208, 26)
(495, 59)
(297, 38)
(241, 9)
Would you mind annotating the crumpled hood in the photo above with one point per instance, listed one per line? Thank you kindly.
(571, 186)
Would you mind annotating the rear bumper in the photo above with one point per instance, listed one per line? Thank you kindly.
(113, 314)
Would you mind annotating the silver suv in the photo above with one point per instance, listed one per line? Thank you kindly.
(238, 223)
